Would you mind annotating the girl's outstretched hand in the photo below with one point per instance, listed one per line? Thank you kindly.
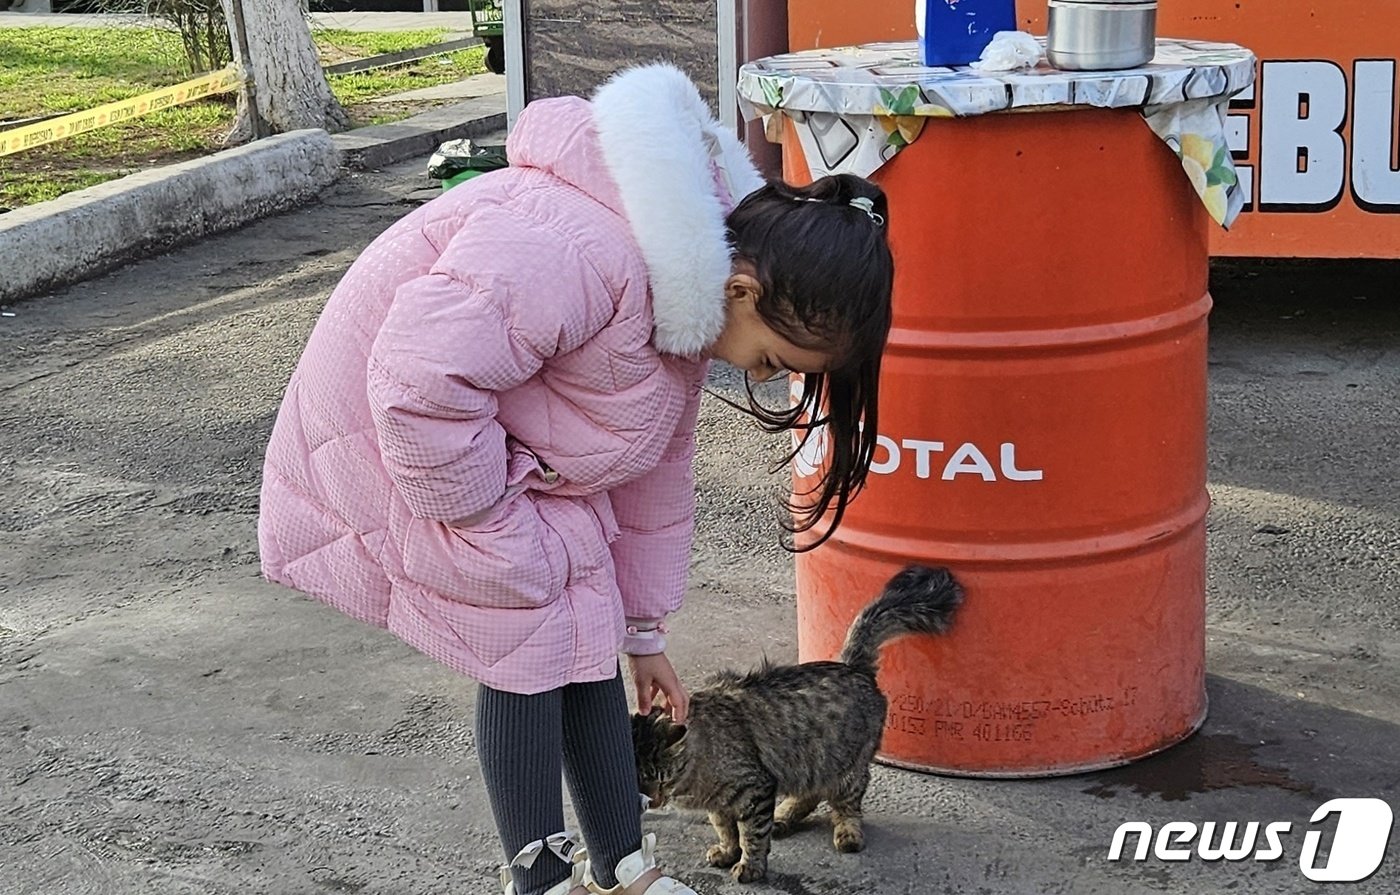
(654, 676)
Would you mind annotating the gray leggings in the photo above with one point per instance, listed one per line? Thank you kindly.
(522, 741)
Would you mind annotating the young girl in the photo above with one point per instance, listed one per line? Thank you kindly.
(486, 447)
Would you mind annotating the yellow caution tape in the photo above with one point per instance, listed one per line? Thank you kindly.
(31, 135)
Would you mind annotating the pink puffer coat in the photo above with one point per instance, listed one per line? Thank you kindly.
(486, 446)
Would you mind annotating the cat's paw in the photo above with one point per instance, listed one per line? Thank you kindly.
(783, 829)
(721, 855)
(749, 871)
(848, 837)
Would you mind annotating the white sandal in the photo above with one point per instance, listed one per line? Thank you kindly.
(632, 868)
(565, 848)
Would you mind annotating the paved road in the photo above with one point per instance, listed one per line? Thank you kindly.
(171, 724)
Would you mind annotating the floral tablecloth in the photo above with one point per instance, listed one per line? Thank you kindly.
(855, 108)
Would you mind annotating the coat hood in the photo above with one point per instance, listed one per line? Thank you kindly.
(679, 173)
(676, 174)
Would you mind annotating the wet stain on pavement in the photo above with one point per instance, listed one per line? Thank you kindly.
(1204, 763)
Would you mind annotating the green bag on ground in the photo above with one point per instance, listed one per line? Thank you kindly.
(457, 161)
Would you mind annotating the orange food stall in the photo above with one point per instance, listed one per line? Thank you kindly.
(1315, 141)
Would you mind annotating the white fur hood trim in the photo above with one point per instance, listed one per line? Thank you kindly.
(659, 141)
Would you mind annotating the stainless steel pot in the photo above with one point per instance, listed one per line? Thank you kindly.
(1101, 35)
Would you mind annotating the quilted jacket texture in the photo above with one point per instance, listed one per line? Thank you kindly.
(486, 445)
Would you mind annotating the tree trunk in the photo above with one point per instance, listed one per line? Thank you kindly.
(289, 88)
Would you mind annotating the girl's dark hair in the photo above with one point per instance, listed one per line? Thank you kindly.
(827, 274)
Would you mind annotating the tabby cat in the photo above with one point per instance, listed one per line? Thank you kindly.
(806, 733)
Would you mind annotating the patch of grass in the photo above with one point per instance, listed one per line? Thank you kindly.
(167, 136)
(54, 70)
(69, 69)
(196, 127)
(66, 69)
(368, 85)
(361, 44)
(29, 187)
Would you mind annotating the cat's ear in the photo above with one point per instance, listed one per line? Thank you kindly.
(651, 719)
(672, 734)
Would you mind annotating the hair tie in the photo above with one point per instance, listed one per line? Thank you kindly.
(867, 205)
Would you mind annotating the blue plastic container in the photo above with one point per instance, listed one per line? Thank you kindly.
(955, 32)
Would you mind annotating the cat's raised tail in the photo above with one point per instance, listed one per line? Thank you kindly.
(918, 600)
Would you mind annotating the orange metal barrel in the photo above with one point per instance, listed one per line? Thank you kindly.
(1043, 434)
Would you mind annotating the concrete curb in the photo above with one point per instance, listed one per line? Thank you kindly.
(384, 144)
(91, 231)
(88, 232)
